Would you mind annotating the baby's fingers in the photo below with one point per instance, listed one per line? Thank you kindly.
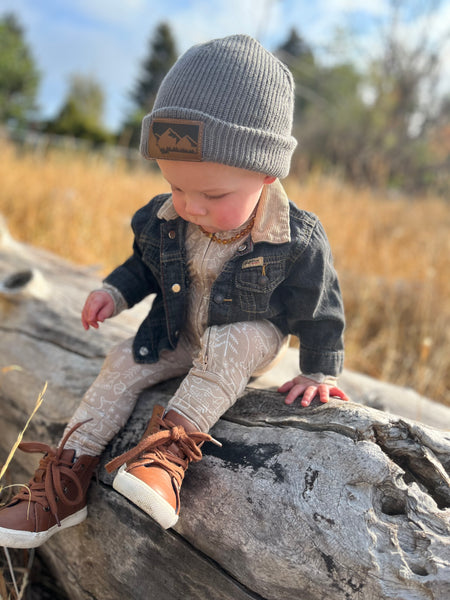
(85, 319)
(104, 313)
(286, 386)
(89, 316)
(296, 391)
(311, 392)
(98, 307)
(338, 393)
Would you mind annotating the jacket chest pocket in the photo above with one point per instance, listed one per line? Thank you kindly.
(255, 285)
(151, 256)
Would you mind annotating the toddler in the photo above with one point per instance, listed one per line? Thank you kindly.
(236, 268)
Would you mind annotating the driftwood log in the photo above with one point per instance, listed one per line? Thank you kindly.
(337, 501)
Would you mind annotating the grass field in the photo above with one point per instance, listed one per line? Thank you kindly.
(392, 252)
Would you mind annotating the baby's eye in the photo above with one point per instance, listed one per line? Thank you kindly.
(214, 197)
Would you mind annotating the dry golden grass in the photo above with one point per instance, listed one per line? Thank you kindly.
(393, 256)
(392, 253)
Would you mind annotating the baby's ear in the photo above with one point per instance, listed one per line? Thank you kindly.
(269, 179)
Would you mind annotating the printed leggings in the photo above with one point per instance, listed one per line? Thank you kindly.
(216, 375)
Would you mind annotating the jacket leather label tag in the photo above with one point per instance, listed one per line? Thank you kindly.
(253, 262)
(175, 139)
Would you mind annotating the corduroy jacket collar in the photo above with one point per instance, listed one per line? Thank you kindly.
(272, 215)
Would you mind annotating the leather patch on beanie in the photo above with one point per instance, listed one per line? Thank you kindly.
(175, 139)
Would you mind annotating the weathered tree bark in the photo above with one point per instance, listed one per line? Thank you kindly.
(337, 501)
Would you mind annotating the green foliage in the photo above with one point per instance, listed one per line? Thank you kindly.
(402, 119)
(298, 56)
(389, 135)
(162, 54)
(81, 113)
(130, 132)
(327, 99)
(19, 77)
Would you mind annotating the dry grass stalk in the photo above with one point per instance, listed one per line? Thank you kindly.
(15, 588)
(21, 434)
(12, 591)
(11, 571)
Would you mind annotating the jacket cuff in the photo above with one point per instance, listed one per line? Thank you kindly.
(330, 362)
(321, 378)
(120, 304)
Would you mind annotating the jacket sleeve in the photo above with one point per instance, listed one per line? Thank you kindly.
(314, 307)
(133, 278)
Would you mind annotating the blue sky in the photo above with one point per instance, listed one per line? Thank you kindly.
(108, 39)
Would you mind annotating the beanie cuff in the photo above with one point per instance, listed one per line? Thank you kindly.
(227, 143)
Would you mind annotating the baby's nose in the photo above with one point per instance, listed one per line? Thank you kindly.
(195, 207)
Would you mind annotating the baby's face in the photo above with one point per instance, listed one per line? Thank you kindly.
(214, 196)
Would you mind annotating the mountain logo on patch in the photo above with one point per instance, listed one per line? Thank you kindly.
(175, 139)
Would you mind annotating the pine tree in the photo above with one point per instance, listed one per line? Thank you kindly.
(162, 54)
(19, 76)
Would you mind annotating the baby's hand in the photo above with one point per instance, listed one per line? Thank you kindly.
(98, 307)
(310, 389)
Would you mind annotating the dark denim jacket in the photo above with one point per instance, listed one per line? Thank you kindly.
(293, 284)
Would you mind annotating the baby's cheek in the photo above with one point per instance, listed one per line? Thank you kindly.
(177, 206)
(231, 219)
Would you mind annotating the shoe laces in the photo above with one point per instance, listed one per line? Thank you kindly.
(158, 450)
(45, 488)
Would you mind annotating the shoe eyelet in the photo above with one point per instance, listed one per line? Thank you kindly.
(65, 490)
(56, 498)
(46, 508)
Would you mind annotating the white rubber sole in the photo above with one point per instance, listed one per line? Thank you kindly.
(28, 539)
(143, 496)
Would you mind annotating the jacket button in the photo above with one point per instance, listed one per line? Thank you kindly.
(263, 279)
(242, 248)
(172, 234)
(176, 288)
(218, 298)
(143, 350)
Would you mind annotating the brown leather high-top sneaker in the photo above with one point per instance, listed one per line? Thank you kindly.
(151, 474)
(54, 499)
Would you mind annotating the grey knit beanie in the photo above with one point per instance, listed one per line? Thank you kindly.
(228, 101)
